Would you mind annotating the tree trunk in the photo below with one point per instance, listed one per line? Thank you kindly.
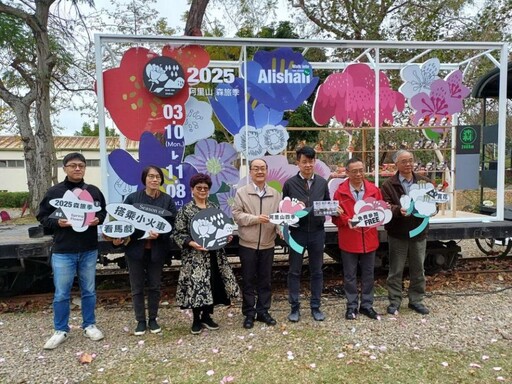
(44, 145)
(38, 145)
(195, 17)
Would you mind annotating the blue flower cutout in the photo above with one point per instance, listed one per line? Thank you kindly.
(280, 78)
(229, 107)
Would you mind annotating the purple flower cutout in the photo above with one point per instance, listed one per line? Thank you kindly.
(226, 201)
(215, 160)
(151, 152)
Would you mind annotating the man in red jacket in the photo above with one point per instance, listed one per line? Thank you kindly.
(358, 245)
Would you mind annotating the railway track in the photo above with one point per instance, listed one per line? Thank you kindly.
(113, 284)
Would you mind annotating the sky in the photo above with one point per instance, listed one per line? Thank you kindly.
(72, 121)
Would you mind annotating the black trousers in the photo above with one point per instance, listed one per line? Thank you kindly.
(256, 279)
(142, 270)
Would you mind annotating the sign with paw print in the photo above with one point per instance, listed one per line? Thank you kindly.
(211, 228)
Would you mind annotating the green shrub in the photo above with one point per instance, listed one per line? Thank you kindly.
(13, 199)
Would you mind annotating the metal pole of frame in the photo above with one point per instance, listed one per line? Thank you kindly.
(500, 190)
(101, 115)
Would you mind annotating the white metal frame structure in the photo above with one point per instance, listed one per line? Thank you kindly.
(372, 53)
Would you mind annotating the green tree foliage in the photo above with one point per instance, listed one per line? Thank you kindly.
(88, 131)
(238, 15)
(137, 17)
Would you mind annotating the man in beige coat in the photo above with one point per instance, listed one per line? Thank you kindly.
(253, 205)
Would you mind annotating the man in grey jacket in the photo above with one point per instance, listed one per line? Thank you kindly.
(253, 205)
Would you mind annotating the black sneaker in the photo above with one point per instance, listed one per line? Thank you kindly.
(420, 308)
(154, 327)
(248, 322)
(369, 312)
(197, 327)
(393, 309)
(266, 318)
(208, 322)
(351, 314)
(141, 328)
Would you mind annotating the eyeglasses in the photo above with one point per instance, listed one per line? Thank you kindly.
(154, 177)
(406, 161)
(356, 171)
(205, 189)
(75, 166)
(259, 169)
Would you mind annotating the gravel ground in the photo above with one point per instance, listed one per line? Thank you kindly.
(467, 313)
(461, 319)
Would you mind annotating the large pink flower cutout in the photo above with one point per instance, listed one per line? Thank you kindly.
(322, 169)
(438, 103)
(445, 98)
(350, 95)
(458, 91)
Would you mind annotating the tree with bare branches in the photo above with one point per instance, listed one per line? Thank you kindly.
(29, 58)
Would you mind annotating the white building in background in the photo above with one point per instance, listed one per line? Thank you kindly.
(13, 175)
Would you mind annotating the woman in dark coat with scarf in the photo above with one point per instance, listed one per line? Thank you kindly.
(205, 279)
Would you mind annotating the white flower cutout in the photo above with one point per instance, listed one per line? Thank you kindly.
(254, 143)
(418, 78)
(248, 142)
(274, 138)
(198, 124)
(422, 201)
(203, 228)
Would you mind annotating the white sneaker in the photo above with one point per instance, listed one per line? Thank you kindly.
(58, 338)
(93, 333)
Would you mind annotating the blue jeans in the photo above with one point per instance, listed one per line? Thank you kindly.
(65, 266)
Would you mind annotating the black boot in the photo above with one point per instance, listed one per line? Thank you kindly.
(206, 319)
(196, 323)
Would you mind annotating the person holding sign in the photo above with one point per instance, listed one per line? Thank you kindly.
(309, 233)
(145, 255)
(402, 245)
(73, 221)
(206, 278)
(253, 205)
(357, 244)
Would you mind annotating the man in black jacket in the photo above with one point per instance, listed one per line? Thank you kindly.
(73, 252)
(307, 187)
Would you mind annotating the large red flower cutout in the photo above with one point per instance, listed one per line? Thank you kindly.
(132, 107)
(189, 56)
